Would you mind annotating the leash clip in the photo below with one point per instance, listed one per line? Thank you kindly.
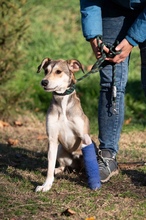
(114, 95)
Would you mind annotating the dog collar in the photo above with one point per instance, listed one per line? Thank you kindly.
(67, 92)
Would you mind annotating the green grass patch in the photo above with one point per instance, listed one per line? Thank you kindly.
(55, 32)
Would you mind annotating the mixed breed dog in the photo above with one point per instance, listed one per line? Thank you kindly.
(67, 125)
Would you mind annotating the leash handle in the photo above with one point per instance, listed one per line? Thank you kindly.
(112, 50)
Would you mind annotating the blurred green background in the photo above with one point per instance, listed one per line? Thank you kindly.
(51, 28)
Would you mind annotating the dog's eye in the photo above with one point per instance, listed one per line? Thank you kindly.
(46, 71)
(58, 71)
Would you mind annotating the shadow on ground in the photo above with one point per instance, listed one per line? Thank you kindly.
(24, 159)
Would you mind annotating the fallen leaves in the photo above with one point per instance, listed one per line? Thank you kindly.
(18, 123)
(91, 218)
(12, 141)
(4, 124)
(68, 212)
(41, 137)
(15, 125)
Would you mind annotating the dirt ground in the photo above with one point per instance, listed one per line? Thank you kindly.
(23, 164)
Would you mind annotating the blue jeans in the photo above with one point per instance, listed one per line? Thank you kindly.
(143, 65)
(115, 25)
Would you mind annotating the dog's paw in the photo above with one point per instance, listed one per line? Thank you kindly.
(43, 188)
(59, 170)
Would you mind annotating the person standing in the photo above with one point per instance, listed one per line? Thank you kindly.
(123, 21)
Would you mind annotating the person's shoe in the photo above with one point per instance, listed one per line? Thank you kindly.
(107, 165)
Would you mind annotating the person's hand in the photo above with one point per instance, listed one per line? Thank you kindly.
(125, 48)
(96, 49)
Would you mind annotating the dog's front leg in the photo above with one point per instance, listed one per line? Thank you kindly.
(52, 154)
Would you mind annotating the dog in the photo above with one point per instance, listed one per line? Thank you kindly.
(66, 124)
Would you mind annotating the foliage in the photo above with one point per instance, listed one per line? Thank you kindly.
(55, 32)
(13, 22)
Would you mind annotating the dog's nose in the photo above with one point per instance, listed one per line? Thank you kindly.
(44, 82)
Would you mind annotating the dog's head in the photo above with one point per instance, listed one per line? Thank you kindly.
(59, 74)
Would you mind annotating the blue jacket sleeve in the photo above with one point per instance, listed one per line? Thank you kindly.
(137, 32)
(91, 18)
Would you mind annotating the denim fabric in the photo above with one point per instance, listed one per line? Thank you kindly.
(114, 28)
(143, 65)
(91, 17)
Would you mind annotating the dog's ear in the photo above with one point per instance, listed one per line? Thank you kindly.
(75, 65)
(43, 64)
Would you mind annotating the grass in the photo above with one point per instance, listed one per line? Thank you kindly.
(23, 167)
(55, 32)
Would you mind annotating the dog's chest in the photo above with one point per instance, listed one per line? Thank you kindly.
(64, 109)
(65, 123)
(65, 117)
(67, 131)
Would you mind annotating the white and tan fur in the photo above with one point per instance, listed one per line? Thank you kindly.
(67, 125)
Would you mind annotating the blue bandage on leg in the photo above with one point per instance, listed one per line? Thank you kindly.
(91, 166)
